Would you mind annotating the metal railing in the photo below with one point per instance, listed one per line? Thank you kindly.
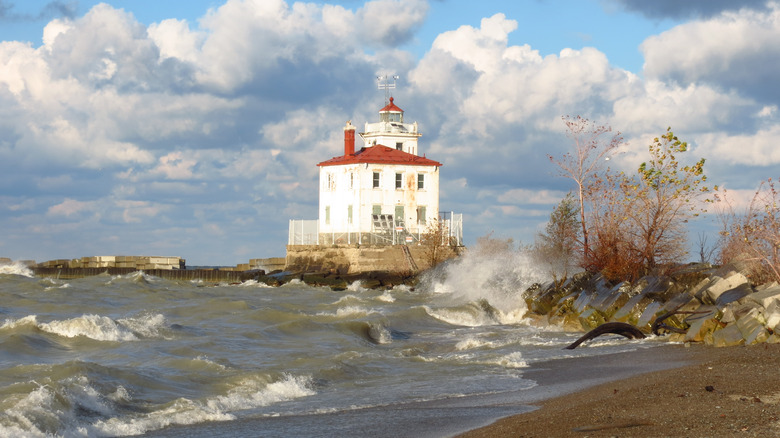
(303, 232)
(306, 232)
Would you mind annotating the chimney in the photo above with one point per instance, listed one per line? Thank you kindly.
(349, 139)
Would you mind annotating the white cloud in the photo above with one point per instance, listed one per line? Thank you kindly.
(137, 211)
(175, 40)
(753, 149)
(391, 22)
(175, 166)
(733, 50)
(531, 196)
(142, 128)
(70, 207)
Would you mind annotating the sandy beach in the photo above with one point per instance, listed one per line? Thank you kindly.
(733, 391)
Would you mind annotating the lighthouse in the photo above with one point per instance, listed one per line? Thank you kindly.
(380, 191)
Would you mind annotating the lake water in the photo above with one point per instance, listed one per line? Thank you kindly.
(131, 355)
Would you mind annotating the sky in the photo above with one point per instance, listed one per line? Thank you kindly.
(193, 128)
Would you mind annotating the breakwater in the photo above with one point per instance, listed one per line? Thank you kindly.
(206, 275)
(697, 303)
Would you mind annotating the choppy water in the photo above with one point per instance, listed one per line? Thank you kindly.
(108, 356)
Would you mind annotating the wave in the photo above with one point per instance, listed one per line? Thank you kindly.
(495, 277)
(16, 268)
(349, 312)
(256, 392)
(98, 328)
(78, 405)
(12, 324)
(386, 297)
(254, 283)
(374, 332)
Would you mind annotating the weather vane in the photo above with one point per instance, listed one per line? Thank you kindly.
(383, 82)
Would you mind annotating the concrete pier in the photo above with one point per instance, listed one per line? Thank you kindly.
(206, 275)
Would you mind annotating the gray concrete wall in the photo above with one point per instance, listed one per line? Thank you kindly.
(357, 259)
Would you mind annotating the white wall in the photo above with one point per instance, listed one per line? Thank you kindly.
(338, 191)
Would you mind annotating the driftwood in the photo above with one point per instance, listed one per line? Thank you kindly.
(618, 328)
(658, 324)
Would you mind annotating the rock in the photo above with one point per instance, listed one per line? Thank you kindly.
(649, 314)
(752, 327)
(772, 316)
(728, 336)
(632, 310)
(727, 316)
(591, 319)
(734, 294)
(659, 288)
(765, 295)
(702, 325)
(719, 285)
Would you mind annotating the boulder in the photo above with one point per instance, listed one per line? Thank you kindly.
(718, 285)
(752, 327)
(702, 324)
(772, 316)
(735, 294)
(727, 336)
(765, 295)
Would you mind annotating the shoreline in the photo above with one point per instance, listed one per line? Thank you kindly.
(456, 415)
(720, 392)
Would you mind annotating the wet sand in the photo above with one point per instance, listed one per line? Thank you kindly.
(733, 391)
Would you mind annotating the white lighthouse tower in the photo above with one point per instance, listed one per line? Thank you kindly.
(383, 192)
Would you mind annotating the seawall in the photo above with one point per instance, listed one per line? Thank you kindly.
(362, 259)
(207, 275)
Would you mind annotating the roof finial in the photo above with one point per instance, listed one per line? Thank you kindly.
(384, 83)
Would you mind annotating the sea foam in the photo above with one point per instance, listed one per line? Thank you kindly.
(103, 328)
(15, 268)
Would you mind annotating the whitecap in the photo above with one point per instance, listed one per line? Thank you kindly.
(386, 297)
(470, 317)
(257, 392)
(99, 328)
(11, 323)
(473, 343)
(254, 283)
(147, 325)
(356, 286)
(16, 268)
(180, 412)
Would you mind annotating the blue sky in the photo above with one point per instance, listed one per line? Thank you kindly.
(193, 128)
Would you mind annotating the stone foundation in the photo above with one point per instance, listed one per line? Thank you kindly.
(358, 259)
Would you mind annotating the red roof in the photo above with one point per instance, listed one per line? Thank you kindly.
(391, 108)
(380, 154)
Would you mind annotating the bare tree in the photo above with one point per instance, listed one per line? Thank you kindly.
(434, 239)
(754, 236)
(638, 223)
(592, 144)
(706, 251)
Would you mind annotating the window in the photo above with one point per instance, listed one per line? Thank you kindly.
(421, 215)
(376, 209)
(351, 180)
(420, 181)
(327, 215)
(399, 180)
(349, 214)
(399, 146)
(331, 184)
(376, 180)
